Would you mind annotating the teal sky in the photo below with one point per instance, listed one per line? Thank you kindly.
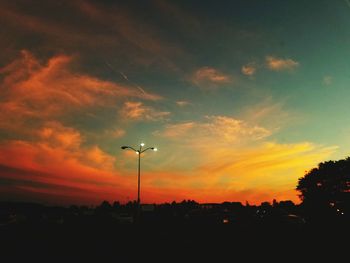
(240, 97)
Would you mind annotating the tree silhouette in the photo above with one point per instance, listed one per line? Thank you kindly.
(327, 186)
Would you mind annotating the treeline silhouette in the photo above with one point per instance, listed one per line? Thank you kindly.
(188, 230)
(185, 212)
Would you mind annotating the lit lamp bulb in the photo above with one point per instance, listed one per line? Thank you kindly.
(142, 144)
(155, 149)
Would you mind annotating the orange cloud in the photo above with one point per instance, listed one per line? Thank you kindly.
(33, 90)
(279, 64)
(138, 111)
(57, 163)
(231, 129)
(46, 156)
(207, 77)
(224, 129)
(117, 133)
(56, 135)
(249, 69)
(176, 130)
(183, 103)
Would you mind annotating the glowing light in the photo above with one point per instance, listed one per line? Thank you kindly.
(142, 144)
(137, 152)
(155, 149)
(225, 221)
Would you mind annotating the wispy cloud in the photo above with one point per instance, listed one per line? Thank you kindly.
(139, 111)
(272, 63)
(280, 64)
(223, 128)
(112, 29)
(327, 80)
(145, 41)
(246, 172)
(183, 103)
(232, 129)
(31, 89)
(176, 130)
(249, 69)
(236, 160)
(271, 114)
(57, 135)
(118, 133)
(208, 77)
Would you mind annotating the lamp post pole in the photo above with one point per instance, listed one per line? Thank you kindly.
(139, 152)
(138, 180)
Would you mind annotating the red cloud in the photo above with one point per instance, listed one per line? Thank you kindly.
(57, 168)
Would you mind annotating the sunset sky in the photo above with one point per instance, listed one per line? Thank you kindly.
(240, 98)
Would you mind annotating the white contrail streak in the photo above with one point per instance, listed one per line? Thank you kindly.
(126, 78)
(141, 89)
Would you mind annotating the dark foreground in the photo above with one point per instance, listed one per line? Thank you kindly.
(174, 242)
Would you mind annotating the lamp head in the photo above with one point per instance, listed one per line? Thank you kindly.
(124, 147)
(154, 149)
(142, 144)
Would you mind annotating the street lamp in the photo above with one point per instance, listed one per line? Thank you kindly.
(139, 152)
